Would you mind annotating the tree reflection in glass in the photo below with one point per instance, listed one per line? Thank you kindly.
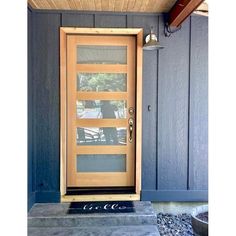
(101, 136)
(92, 109)
(108, 112)
(99, 82)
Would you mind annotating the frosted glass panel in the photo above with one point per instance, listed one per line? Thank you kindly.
(101, 136)
(102, 82)
(101, 163)
(101, 109)
(87, 54)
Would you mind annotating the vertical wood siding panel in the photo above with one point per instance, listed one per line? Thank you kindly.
(149, 98)
(77, 20)
(30, 110)
(198, 135)
(173, 109)
(46, 105)
(30, 95)
(110, 21)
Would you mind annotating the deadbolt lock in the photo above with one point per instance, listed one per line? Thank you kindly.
(131, 110)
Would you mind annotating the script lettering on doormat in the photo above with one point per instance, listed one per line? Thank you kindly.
(101, 207)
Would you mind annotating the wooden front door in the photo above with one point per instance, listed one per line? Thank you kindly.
(100, 114)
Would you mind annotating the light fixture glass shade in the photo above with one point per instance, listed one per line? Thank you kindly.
(151, 42)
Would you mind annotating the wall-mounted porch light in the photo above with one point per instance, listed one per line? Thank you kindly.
(151, 42)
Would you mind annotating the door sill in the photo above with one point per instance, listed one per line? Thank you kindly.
(99, 190)
(100, 197)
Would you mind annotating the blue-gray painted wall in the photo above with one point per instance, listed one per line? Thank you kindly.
(175, 84)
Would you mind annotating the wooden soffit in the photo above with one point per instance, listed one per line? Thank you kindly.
(155, 6)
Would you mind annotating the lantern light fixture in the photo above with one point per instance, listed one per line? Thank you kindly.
(151, 42)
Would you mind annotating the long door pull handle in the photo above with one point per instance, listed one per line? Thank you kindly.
(131, 123)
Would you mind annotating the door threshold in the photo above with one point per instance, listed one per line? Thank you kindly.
(99, 190)
(100, 197)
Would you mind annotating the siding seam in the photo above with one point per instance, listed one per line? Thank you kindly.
(157, 177)
(33, 102)
(189, 79)
(94, 21)
(59, 32)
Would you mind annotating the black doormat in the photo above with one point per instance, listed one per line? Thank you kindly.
(101, 207)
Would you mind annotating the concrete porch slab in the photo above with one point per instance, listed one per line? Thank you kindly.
(55, 215)
(143, 230)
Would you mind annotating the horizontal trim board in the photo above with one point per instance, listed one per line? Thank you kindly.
(47, 196)
(102, 68)
(101, 122)
(94, 12)
(105, 197)
(97, 31)
(105, 13)
(45, 11)
(106, 40)
(174, 195)
(102, 95)
(106, 149)
(102, 179)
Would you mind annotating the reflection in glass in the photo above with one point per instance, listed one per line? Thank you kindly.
(101, 136)
(95, 54)
(101, 109)
(101, 163)
(101, 82)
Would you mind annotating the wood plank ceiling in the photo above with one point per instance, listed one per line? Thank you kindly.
(105, 5)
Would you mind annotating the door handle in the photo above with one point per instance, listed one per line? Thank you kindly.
(131, 123)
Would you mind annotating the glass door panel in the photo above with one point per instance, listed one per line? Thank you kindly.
(94, 54)
(110, 163)
(101, 136)
(102, 82)
(101, 109)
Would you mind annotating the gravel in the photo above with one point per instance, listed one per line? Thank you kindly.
(169, 224)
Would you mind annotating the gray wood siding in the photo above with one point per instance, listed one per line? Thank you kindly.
(110, 21)
(173, 78)
(30, 163)
(77, 20)
(45, 76)
(174, 155)
(149, 151)
(198, 113)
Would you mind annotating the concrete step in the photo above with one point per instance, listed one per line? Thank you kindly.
(143, 230)
(55, 215)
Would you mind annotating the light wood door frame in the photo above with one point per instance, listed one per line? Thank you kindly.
(64, 31)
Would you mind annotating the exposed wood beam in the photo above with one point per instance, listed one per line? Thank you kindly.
(181, 10)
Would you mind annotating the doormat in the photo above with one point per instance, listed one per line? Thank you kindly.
(101, 207)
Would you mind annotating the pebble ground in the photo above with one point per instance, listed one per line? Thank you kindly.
(169, 224)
